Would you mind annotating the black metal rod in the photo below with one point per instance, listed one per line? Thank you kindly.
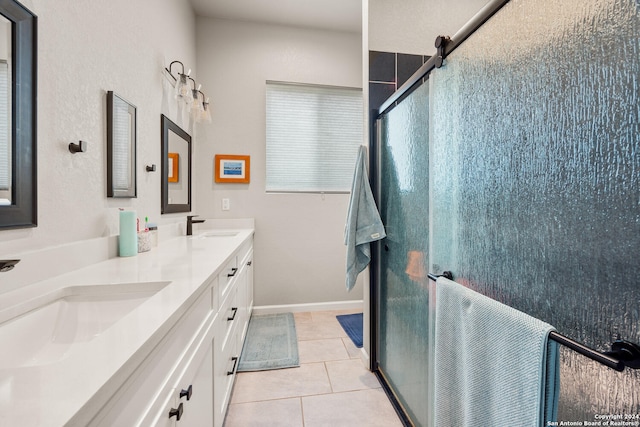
(582, 349)
(609, 361)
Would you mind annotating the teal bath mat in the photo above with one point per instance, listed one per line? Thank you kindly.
(271, 343)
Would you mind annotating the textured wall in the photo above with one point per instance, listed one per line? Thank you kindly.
(411, 26)
(299, 246)
(84, 50)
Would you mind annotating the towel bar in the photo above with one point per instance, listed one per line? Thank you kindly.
(623, 354)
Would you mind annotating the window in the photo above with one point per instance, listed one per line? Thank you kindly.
(313, 135)
(5, 121)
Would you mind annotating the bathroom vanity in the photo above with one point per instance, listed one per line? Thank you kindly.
(152, 339)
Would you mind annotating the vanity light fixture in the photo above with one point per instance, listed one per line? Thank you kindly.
(182, 90)
(194, 99)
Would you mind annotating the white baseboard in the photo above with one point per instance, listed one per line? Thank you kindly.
(297, 308)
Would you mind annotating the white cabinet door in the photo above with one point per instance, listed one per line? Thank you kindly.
(166, 416)
(224, 375)
(198, 401)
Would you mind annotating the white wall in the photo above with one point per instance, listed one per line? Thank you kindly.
(299, 249)
(411, 26)
(84, 50)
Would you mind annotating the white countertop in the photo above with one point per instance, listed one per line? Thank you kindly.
(53, 394)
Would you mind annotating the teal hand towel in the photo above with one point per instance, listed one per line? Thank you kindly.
(363, 223)
(493, 365)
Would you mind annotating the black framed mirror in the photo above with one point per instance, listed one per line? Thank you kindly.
(176, 168)
(18, 161)
(121, 147)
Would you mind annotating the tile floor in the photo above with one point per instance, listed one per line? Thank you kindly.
(330, 388)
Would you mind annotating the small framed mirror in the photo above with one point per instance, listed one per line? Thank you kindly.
(18, 159)
(121, 147)
(176, 168)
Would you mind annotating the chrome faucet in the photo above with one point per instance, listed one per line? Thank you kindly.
(190, 222)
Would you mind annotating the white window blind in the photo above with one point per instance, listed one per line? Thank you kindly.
(5, 121)
(122, 143)
(313, 134)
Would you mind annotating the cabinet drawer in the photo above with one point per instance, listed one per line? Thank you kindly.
(244, 251)
(227, 277)
(229, 316)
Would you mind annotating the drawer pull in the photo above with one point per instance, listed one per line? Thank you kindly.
(233, 272)
(186, 392)
(235, 364)
(235, 311)
(176, 412)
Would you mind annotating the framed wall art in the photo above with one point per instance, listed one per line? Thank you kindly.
(174, 168)
(230, 168)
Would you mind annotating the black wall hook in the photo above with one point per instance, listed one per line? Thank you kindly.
(80, 147)
(151, 168)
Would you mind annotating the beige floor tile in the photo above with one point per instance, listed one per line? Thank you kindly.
(321, 316)
(303, 317)
(331, 387)
(308, 379)
(370, 408)
(319, 330)
(322, 350)
(350, 375)
(354, 352)
(281, 413)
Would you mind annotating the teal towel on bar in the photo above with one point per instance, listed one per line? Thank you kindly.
(494, 365)
(363, 222)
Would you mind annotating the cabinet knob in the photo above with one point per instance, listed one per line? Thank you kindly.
(233, 272)
(176, 412)
(186, 392)
(233, 316)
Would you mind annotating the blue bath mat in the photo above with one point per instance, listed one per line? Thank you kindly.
(352, 325)
(271, 343)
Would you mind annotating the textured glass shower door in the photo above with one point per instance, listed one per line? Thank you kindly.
(403, 303)
(535, 180)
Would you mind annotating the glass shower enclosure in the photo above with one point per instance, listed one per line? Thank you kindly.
(516, 165)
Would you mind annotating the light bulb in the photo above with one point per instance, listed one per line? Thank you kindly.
(183, 91)
(206, 112)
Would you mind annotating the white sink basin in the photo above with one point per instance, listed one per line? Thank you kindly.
(49, 328)
(220, 233)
